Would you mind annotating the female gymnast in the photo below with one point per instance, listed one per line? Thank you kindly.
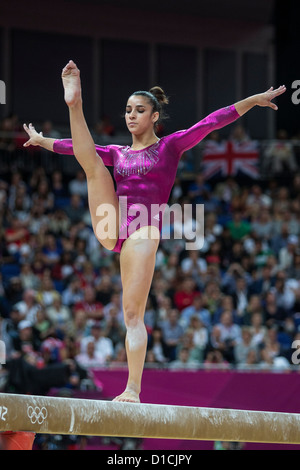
(144, 173)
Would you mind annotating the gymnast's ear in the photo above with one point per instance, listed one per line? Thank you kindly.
(155, 117)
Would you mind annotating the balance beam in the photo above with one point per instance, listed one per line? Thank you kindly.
(48, 415)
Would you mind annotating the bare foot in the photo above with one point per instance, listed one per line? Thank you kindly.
(71, 83)
(129, 396)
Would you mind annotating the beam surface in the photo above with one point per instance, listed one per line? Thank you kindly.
(48, 415)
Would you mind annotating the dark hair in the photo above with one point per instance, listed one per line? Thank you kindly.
(157, 98)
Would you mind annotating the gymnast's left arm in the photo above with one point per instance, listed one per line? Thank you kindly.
(186, 139)
(261, 99)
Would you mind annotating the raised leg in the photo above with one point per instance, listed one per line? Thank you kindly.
(99, 181)
(137, 263)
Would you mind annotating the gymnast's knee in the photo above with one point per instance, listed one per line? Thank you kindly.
(107, 243)
(131, 316)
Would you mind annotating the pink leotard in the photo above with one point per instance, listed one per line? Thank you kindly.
(144, 178)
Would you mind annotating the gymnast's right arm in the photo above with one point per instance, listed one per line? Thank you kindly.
(37, 139)
(63, 146)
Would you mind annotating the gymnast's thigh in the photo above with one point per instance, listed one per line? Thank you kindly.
(137, 264)
(103, 206)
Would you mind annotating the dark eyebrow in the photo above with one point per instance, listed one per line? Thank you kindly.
(138, 106)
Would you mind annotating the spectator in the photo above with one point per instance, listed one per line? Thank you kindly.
(47, 292)
(157, 345)
(59, 315)
(72, 295)
(90, 357)
(272, 353)
(57, 186)
(193, 265)
(199, 190)
(75, 210)
(263, 225)
(257, 329)
(258, 199)
(51, 250)
(286, 253)
(184, 361)
(198, 310)
(58, 223)
(78, 326)
(28, 306)
(104, 350)
(78, 185)
(104, 290)
(27, 343)
(226, 303)
(186, 293)
(215, 359)
(43, 324)
(29, 280)
(226, 335)
(264, 282)
(172, 333)
(43, 195)
(200, 335)
(251, 362)
(240, 297)
(92, 308)
(114, 328)
(239, 134)
(16, 236)
(170, 268)
(116, 304)
(244, 346)
(293, 272)
(279, 156)
(49, 131)
(286, 290)
(238, 227)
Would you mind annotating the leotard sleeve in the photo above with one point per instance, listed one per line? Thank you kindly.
(65, 147)
(188, 138)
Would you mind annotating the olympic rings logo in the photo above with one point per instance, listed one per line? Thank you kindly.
(37, 414)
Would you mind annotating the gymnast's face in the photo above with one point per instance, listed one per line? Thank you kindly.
(139, 115)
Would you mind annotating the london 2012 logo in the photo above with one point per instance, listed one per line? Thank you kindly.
(37, 414)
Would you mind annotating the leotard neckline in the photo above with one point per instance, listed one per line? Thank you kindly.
(144, 148)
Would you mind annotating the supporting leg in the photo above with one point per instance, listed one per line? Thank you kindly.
(137, 262)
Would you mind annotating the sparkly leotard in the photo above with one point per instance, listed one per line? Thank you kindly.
(144, 178)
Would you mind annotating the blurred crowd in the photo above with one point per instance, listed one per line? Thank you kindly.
(233, 303)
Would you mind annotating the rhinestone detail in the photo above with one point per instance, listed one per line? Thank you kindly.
(137, 163)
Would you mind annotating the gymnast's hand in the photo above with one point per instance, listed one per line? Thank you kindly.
(35, 138)
(261, 99)
(265, 99)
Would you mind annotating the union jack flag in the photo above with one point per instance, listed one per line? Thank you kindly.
(229, 158)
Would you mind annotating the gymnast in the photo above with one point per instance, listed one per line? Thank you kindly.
(144, 174)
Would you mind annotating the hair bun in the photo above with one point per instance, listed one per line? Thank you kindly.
(159, 95)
